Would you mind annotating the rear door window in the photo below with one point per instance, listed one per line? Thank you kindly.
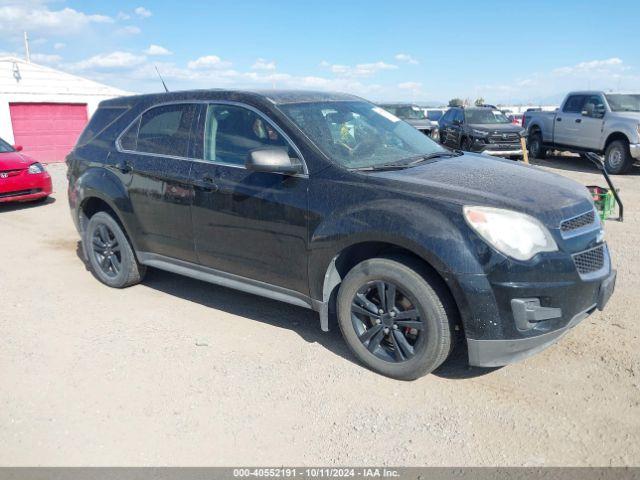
(163, 130)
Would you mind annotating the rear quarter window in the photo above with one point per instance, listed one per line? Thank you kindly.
(101, 119)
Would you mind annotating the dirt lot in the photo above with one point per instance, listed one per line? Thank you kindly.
(179, 372)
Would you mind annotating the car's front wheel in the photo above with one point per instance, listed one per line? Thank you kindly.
(395, 317)
(109, 252)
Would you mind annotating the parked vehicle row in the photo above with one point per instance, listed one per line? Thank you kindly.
(590, 121)
(22, 179)
(313, 198)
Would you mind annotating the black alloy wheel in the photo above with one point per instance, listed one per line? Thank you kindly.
(110, 255)
(106, 251)
(396, 316)
(387, 321)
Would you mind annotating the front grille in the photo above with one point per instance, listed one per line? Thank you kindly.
(578, 222)
(9, 173)
(504, 138)
(19, 193)
(589, 261)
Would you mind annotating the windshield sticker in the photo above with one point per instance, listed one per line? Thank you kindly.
(385, 114)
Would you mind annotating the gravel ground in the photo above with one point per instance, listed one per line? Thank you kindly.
(179, 372)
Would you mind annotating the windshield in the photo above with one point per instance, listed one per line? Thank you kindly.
(359, 134)
(5, 147)
(434, 115)
(485, 115)
(624, 103)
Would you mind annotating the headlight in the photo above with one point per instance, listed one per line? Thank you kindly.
(36, 168)
(517, 235)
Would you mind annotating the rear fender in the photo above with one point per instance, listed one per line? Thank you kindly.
(105, 185)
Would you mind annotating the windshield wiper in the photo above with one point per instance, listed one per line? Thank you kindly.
(411, 161)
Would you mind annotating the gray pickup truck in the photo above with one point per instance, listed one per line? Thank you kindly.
(590, 121)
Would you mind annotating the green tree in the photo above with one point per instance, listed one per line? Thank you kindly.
(456, 102)
(479, 102)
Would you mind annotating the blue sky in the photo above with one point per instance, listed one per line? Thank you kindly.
(504, 51)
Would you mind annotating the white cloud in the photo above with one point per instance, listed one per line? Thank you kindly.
(406, 58)
(359, 70)
(142, 12)
(40, 19)
(598, 66)
(46, 58)
(123, 16)
(129, 30)
(410, 85)
(157, 50)
(208, 62)
(262, 64)
(110, 61)
(59, 45)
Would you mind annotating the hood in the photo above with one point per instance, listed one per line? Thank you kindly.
(14, 161)
(497, 127)
(625, 115)
(420, 123)
(472, 179)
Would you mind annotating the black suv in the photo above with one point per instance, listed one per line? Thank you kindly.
(481, 129)
(322, 199)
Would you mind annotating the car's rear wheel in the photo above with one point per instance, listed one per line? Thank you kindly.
(617, 157)
(395, 317)
(536, 147)
(109, 252)
(465, 145)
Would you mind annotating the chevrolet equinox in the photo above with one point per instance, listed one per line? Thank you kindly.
(326, 200)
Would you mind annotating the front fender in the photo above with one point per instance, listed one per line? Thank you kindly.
(617, 127)
(434, 233)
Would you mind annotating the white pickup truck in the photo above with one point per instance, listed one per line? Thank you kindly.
(590, 121)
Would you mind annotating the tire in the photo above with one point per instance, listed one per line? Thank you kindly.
(536, 147)
(417, 291)
(465, 144)
(109, 253)
(617, 157)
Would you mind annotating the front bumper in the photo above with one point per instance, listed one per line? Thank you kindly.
(503, 153)
(496, 149)
(634, 148)
(517, 310)
(25, 187)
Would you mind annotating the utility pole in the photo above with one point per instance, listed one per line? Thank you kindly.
(26, 48)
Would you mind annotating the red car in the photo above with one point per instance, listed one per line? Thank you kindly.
(22, 179)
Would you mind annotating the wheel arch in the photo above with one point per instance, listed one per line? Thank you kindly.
(99, 191)
(615, 136)
(359, 251)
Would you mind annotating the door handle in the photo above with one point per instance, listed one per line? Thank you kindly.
(558, 119)
(578, 120)
(124, 167)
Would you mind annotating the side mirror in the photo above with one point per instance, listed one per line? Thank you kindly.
(457, 122)
(273, 160)
(17, 148)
